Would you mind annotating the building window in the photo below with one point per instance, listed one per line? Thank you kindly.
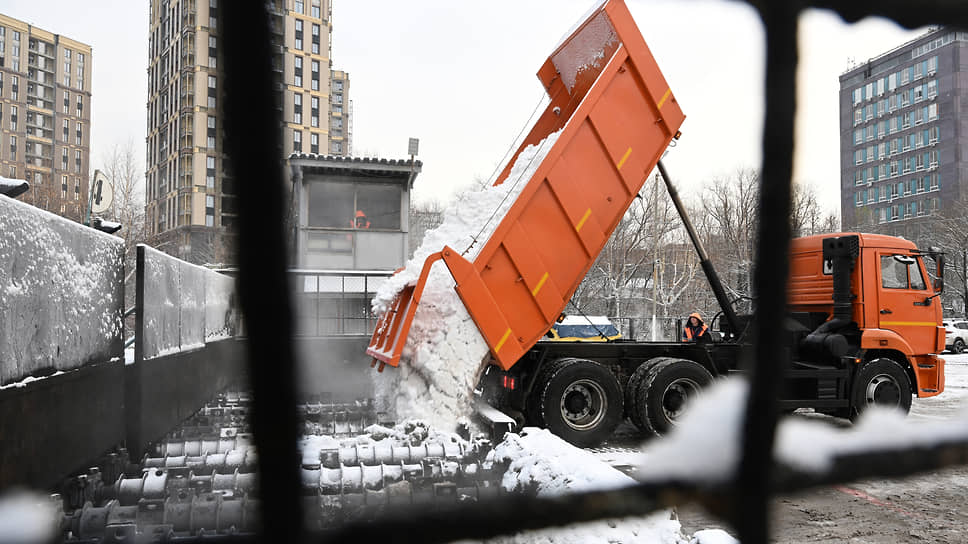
(210, 172)
(66, 131)
(314, 110)
(15, 87)
(297, 141)
(299, 7)
(80, 70)
(13, 117)
(64, 187)
(334, 205)
(13, 151)
(79, 134)
(65, 159)
(211, 91)
(315, 75)
(209, 211)
(336, 147)
(298, 72)
(297, 108)
(314, 143)
(299, 34)
(316, 37)
(315, 9)
(77, 161)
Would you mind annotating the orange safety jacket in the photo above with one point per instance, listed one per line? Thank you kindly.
(690, 332)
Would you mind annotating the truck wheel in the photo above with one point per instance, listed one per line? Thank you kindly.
(666, 390)
(958, 346)
(631, 392)
(881, 382)
(532, 409)
(581, 401)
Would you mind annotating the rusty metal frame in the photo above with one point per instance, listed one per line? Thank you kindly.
(252, 123)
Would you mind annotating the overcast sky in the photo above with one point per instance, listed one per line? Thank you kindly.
(460, 77)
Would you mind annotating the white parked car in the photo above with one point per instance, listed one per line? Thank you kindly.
(956, 335)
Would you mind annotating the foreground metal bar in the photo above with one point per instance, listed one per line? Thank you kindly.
(752, 515)
(253, 132)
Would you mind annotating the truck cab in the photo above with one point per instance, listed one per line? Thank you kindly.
(891, 311)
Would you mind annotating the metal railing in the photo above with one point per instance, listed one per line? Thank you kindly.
(265, 291)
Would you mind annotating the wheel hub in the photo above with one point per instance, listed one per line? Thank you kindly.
(882, 390)
(583, 404)
(676, 396)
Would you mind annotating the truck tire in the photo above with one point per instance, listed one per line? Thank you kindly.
(880, 382)
(580, 401)
(632, 410)
(666, 389)
(532, 409)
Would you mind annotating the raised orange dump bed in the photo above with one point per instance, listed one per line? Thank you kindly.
(616, 115)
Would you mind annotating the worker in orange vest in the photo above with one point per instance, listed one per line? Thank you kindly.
(695, 329)
(361, 221)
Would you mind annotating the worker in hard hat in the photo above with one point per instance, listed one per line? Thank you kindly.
(695, 330)
(360, 222)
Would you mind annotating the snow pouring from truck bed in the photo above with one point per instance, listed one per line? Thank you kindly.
(445, 352)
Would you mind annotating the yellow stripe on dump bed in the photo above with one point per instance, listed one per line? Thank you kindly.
(664, 97)
(538, 287)
(583, 219)
(624, 158)
(504, 339)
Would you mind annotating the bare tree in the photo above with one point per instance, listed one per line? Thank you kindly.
(125, 176)
(730, 208)
(807, 216)
(423, 217)
(949, 231)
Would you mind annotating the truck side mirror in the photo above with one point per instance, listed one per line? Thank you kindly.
(938, 282)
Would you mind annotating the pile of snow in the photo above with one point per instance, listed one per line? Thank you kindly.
(545, 465)
(541, 464)
(445, 352)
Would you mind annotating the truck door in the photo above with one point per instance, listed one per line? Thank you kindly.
(904, 304)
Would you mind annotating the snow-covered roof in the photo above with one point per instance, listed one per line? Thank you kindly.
(12, 187)
(365, 163)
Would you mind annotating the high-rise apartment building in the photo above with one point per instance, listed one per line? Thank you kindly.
(340, 137)
(190, 195)
(901, 126)
(45, 116)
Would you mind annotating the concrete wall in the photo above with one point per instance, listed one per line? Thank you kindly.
(61, 293)
(185, 305)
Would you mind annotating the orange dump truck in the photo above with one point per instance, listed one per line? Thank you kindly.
(614, 115)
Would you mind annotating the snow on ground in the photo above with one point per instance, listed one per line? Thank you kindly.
(445, 351)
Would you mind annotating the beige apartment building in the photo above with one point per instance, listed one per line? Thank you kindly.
(45, 116)
(191, 198)
(340, 115)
